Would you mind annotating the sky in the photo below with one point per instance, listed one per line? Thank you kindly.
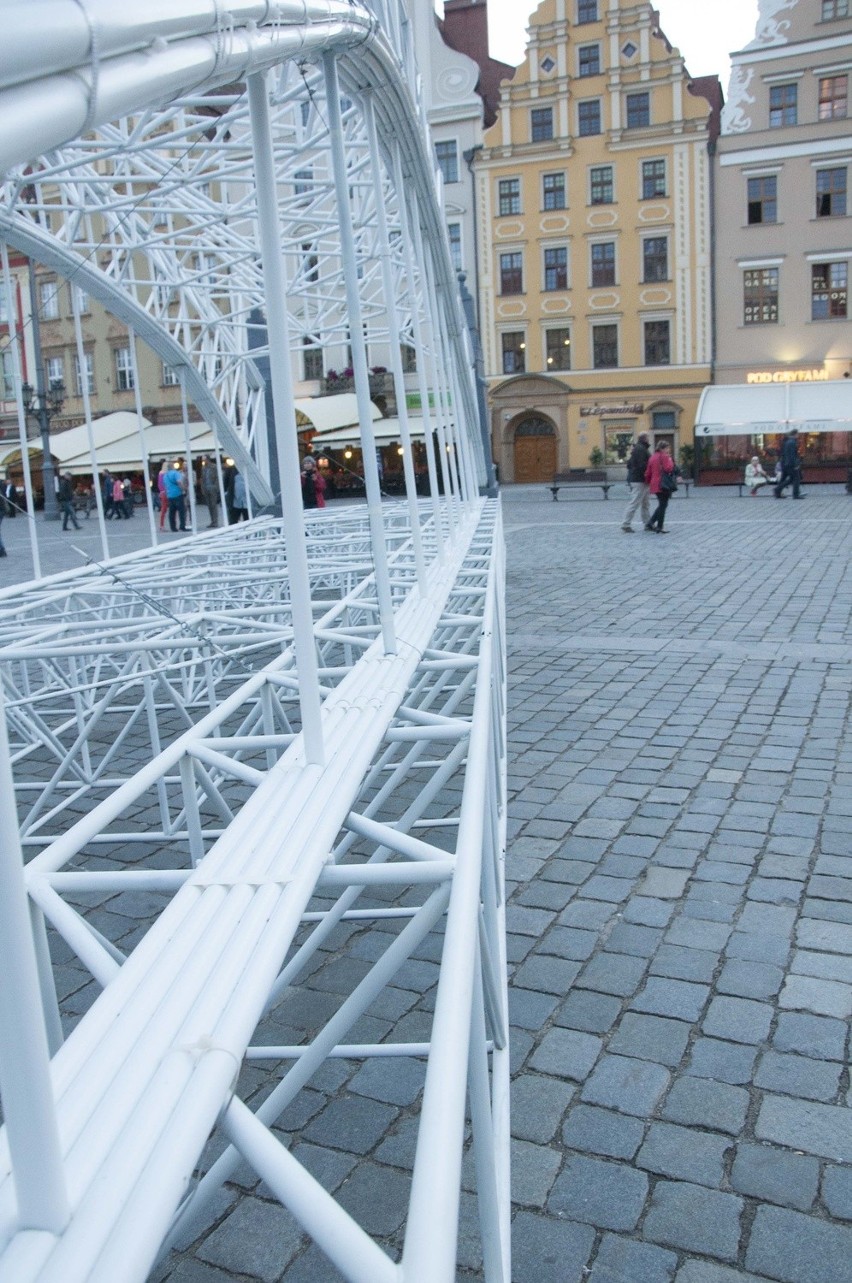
(704, 33)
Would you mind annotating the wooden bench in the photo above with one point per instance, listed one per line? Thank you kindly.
(575, 477)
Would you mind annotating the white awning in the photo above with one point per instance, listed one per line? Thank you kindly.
(162, 441)
(746, 409)
(326, 413)
(384, 430)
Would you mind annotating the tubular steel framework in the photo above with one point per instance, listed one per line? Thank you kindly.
(276, 739)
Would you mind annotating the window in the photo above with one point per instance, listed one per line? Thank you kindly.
(454, 233)
(302, 182)
(90, 374)
(514, 353)
(312, 357)
(783, 109)
(604, 346)
(589, 60)
(123, 370)
(655, 259)
(171, 378)
(556, 268)
(541, 124)
(512, 273)
(558, 349)
(831, 192)
(83, 304)
(664, 420)
(7, 381)
(509, 196)
(760, 295)
(829, 291)
(553, 191)
(48, 298)
(408, 355)
(54, 369)
(589, 117)
(603, 263)
(587, 11)
(657, 343)
(833, 92)
(834, 9)
(310, 262)
(653, 179)
(447, 156)
(601, 191)
(763, 199)
(638, 110)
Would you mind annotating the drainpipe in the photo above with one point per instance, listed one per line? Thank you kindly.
(473, 311)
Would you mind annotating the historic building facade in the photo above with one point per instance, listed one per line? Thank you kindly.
(784, 215)
(594, 200)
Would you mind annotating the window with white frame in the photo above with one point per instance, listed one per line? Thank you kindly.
(48, 300)
(557, 343)
(603, 264)
(762, 192)
(589, 60)
(605, 346)
(638, 110)
(589, 117)
(508, 196)
(82, 299)
(171, 378)
(655, 259)
(541, 124)
(408, 353)
(657, 343)
(833, 97)
(830, 291)
(512, 273)
(124, 380)
(447, 156)
(514, 346)
(553, 191)
(601, 191)
(556, 267)
(312, 357)
(760, 296)
(835, 9)
(783, 105)
(90, 374)
(454, 233)
(653, 179)
(831, 192)
(54, 370)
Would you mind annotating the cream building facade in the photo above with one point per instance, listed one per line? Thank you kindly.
(784, 238)
(594, 196)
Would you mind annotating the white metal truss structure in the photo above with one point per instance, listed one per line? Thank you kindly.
(272, 738)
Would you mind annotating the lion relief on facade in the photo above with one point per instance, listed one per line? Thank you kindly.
(771, 29)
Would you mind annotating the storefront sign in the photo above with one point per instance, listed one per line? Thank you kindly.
(786, 376)
(605, 411)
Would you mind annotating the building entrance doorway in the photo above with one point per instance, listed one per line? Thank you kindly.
(535, 450)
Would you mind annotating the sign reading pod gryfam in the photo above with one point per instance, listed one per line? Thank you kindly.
(787, 376)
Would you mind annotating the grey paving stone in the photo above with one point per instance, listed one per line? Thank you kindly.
(547, 1250)
(758, 948)
(614, 973)
(792, 1247)
(679, 999)
(351, 1123)
(806, 1125)
(599, 1131)
(530, 1010)
(749, 979)
(534, 1169)
(624, 1083)
(703, 1102)
(538, 1104)
(590, 915)
(624, 1260)
(568, 942)
(256, 1238)
(647, 911)
(823, 997)
(738, 1019)
(546, 974)
(684, 964)
(664, 883)
(377, 1198)
(837, 1192)
(395, 1081)
(695, 1219)
(816, 1036)
(698, 935)
(684, 1154)
(706, 1272)
(775, 1176)
(632, 939)
(566, 1053)
(799, 1076)
(593, 1012)
(650, 1038)
(606, 1194)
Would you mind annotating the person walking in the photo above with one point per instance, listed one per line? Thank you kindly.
(210, 491)
(239, 500)
(176, 484)
(161, 491)
(309, 482)
(66, 501)
(661, 478)
(118, 499)
(6, 510)
(791, 468)
(639, 493)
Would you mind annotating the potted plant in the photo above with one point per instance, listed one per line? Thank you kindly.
(596, 457)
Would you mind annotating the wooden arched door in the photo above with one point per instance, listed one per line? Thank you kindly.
(535, 450)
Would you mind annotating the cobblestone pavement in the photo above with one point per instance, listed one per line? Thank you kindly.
(680, 921)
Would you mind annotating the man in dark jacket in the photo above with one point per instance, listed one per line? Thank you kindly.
(636, 465)
(791, 469)
(66, 501)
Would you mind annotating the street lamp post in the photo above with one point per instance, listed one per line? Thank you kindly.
(43, 406)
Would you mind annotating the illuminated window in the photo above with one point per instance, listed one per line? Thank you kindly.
(514, 352)
(760, 295)
(833, 95)
(558, 349)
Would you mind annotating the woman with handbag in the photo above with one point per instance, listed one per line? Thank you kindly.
(661, 477)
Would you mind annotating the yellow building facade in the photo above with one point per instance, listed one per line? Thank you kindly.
(594, 213)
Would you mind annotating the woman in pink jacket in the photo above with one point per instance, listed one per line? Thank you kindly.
(659, 475)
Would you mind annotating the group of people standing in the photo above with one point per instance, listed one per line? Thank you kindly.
(651, 475)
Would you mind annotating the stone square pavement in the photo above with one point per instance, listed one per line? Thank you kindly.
(680, 919)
